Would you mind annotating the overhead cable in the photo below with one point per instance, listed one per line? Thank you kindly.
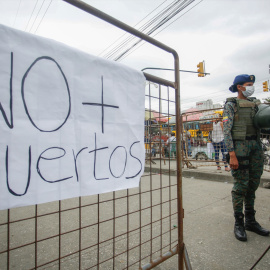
(17, 13)
(124, 43)
(37, 15)
(163, 21)
(148, 28)
(133, 26)
(161, 18)
(31, 15)
(163, 29)
(43, 16)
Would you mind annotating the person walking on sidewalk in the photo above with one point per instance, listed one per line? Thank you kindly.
(242, 141)
(171, 142)
(218, 143)
(186, 142)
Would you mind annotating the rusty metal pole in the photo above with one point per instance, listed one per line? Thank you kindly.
(179, 166)
(176, 84)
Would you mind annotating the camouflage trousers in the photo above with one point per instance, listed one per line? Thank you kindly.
(247, 177)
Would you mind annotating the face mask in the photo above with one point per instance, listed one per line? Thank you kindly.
(249, 91)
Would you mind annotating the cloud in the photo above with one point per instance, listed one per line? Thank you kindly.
(232, 36)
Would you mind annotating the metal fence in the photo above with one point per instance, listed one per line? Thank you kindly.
(130, 229)
(201, 145)
(202, 138)
(265, 138)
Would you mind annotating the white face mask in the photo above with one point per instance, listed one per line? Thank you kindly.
(249, 91)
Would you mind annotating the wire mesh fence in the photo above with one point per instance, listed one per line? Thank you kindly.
(203, 140)
(265, 138)
(128, 229)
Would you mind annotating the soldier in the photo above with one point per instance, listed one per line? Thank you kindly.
(242, 141)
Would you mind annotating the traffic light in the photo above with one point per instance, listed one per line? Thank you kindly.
(200, 69)
(265, 86)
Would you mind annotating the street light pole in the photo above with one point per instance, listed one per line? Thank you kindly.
(181, 70)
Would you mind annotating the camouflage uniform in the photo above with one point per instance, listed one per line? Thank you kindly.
(250, 158)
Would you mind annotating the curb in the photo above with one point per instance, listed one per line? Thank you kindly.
(200, 175)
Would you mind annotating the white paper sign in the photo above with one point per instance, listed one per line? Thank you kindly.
(71, 124)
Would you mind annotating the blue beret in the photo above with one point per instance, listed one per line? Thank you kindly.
(240, 79)
(243, 78)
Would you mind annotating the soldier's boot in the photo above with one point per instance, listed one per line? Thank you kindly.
(239, 229)
(252, 225)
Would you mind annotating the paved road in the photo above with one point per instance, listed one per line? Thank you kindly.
(208, 230)
(208, 222)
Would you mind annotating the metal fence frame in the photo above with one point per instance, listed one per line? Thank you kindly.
(176, 85)
(31, 219)
(191, 162)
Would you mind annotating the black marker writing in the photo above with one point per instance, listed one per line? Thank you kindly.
(75, 161)
(95, 157)
(10, 125)
(118, 147)
(135, 158)
(44, 158)
(29, 174)
(102, 106)
(23, 95)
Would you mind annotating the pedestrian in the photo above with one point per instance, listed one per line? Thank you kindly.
(199, 137)
(218, 143)
(154, 145)
(166, 150)
(171, 142)
(242, 140)
(188, 137)
(186, 143)
(210, 147)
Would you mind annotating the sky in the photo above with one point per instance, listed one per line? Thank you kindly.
(231, 36)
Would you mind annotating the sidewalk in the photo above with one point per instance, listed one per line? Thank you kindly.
(209, 221)
(208, 228)
(200, 170)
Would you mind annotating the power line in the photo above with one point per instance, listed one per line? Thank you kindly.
(162, 29)
(163, 20)
(43, 16)
(31, 15)
(178, 18)
(37, 15)
(150, 32)
(142, 28)
(153, 24)
(133, 26)
(17, 12)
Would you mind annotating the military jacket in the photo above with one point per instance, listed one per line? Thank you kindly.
(238, 118)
